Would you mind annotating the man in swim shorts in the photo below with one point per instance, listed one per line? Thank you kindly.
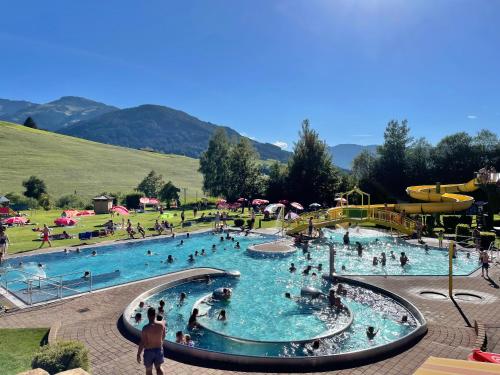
(152, 337)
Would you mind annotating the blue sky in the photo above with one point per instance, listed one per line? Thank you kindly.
(263, 66)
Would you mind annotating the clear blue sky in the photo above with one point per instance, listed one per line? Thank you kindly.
(263, 66)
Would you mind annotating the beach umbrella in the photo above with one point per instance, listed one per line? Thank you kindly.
(144, 200)
(154, 201)
(258, 202)
(220, 200)
(274, 207)
(120, 210)
(15, 220)
(297, 206)
(291, 216)
(86, 213)
(314, 205)
(65, 221)
(343, 200)
(241, 200)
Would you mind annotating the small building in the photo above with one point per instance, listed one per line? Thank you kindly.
(103, 204)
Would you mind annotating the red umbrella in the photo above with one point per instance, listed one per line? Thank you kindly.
(259, 202)
(297, 206)
(15, 220)
(64, 221)
(120, 210)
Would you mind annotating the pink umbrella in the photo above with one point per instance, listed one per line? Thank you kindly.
(291, 216)
(297, 206)
(154, 201)
(65, 221)
(241, 200)
(259, 202)
(15, 220)
(86, 213)
(120, 210)
(144, 200)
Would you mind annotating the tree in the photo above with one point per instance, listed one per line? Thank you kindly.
(487, 145)
(276, 182)
(311, 174)
(35, 187)
(132, 200)
(243, 171)
(169, 192)
(214, 164)
(392, 163)
(45, 201)
(419, 162)
(30, 123)
(363, 165)
(151, 184)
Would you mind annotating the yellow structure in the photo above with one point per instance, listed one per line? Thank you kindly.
(438, 199)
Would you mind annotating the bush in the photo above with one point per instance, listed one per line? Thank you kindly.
(451, 222)
(132, 200)
(62, 356)
(462, 231)
(45, 201)
(239, 222)
(486, 239)
(70, 201)
(20, 202)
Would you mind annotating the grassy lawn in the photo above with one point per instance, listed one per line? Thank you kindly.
(23, 238)
(17, 347)
(68, 164)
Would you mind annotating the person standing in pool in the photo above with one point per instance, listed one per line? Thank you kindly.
(152, 337)
(359, 248)
(310, 227)
(347, 240)
(403, 259)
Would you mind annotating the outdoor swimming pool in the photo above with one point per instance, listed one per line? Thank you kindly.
(127, 262)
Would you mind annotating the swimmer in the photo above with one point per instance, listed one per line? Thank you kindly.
(343, 268)
(138, 317)
(292, 268)
(170, 259)
(306, 270)
(182, 298)
(314, 274)
(141, 304)
(426, 248)
(214, 247)
(86, 275)
(404, 319)
(149, 253)
(65, 251)
(162, 303)
(196, 253)
(468, 255)
(370, 332)
(181, 243)
(375, 261)
(308, 256)
(187, 235)
(221, 239)
(191, 258)
(341, 290)
(237, 246)
(40, 265)
(383, 259)
(192, 323)
(161, 310)
(393, 256)
(202, 252)
(347, 241)
(94, 253)
(359, 247)
(320, 267)
(222, 315)
(403, 259)
(77, 250)
(179, 338)
(189, 342)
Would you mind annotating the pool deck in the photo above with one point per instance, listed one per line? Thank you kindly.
(94, 319)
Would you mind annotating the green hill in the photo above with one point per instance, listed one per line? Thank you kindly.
(67, 164)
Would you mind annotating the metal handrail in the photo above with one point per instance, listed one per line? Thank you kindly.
(56, 282)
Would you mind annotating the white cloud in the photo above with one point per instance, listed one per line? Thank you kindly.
(471, 117)
(281, 144)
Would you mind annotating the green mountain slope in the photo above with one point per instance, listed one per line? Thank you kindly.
(161, 129)
(68, 164)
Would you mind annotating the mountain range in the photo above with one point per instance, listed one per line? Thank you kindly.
(148, 127)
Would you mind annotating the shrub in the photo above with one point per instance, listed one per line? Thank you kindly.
(19, 202)
(486, 239)
(462, 231)
(239, 222)
(451, 222)
(132, 200)
(70, 201)
(45, 201)
(62, 356)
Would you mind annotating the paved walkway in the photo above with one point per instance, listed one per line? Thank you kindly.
(93, 319)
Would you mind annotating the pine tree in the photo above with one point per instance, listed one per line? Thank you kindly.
(30, 123)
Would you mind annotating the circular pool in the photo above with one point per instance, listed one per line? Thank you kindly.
(279, 334)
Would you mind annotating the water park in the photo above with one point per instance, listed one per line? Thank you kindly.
(268, 287)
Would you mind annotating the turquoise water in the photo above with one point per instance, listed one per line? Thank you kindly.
(259, 311)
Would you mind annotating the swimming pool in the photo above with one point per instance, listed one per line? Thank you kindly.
(126, 262)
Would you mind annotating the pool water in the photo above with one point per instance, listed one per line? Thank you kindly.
(431, 263)
(280, 318)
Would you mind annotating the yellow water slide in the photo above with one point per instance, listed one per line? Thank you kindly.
(448, 199)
